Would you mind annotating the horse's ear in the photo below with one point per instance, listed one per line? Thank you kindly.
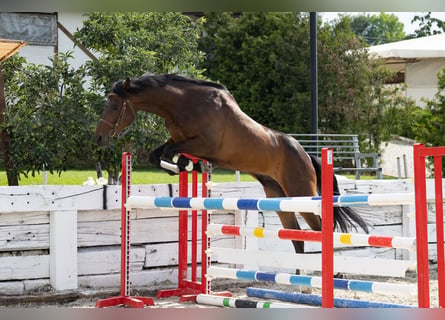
(126, 84)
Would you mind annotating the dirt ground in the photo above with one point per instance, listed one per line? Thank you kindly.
(86, 298)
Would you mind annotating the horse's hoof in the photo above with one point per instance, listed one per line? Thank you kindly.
(340, 276)
(306, 290)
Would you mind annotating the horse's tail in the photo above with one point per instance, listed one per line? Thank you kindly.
(344, 217)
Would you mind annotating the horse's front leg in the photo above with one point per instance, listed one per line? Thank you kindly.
(173, 154)
(171, 162)
(157, 157)
(179, 163)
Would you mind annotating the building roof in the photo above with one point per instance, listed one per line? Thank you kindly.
(9, 47)
(397, 54)
(425, 47)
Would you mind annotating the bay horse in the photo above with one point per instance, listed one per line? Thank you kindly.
(205, 121)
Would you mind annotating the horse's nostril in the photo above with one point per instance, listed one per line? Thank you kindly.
(99, 139)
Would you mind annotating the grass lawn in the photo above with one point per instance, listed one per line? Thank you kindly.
(139, 176)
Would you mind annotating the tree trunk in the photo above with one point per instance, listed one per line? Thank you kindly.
(5, 142)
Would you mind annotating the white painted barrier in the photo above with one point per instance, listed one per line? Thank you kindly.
(342, 264)
(25, 219)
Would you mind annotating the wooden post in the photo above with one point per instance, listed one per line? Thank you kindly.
(63, 249)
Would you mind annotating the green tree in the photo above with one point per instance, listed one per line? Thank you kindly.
(351, 86)
(433, 131)
(402, 116)
(263, 59)
(377, 28)
(428, 26)
(48, 118)
(130, 45)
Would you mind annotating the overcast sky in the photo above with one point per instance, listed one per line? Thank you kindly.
(404, 17)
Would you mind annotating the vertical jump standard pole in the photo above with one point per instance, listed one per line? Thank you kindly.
(420, 154)
(205, 241)
(183, 231)
(421, 228)
(125, 298)
(439, 229)
(327, 221)
(189, 288)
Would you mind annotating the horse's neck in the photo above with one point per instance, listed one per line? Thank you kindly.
(157, 101)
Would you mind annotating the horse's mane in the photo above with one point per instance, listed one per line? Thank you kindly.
(153, 81)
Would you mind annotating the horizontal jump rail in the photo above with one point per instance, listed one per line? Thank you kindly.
(313, 281)
(292, 261)
(229, 302)
(315, 300)
(303, 204)
(350, 239)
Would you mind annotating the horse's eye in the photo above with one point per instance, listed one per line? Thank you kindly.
(108, 102)
(112, 104)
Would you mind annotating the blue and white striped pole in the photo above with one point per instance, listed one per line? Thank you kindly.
(313, 281)
(304, 204)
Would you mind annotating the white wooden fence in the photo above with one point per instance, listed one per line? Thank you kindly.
(63, 237)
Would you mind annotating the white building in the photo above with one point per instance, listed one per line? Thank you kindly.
(66, 23)
(417, 62)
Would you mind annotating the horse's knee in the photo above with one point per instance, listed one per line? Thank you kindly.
(154, 158)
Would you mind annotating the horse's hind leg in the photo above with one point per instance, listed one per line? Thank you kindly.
(298, 179)
(288, 219)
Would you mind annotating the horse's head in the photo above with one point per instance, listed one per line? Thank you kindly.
(118, 114)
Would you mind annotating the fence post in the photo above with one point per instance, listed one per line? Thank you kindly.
(63, 249)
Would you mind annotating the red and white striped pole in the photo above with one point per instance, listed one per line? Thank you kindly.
(125, 298)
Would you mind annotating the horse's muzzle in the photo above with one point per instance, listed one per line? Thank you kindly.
(102, 140)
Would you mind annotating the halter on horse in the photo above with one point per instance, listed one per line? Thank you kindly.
(205, 121)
